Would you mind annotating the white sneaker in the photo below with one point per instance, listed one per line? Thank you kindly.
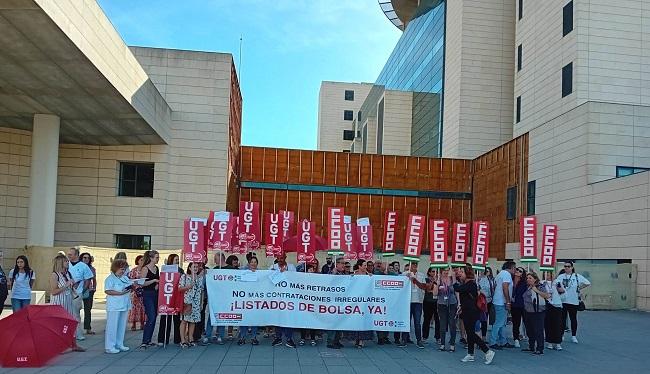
(517, 345)
(558, 347)
(112, 351)
(549, 346)
(81, 337)
(468, 358)
(124, 349)
(574, 339)
(489, 356)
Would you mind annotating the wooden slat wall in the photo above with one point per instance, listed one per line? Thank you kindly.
(493, 173)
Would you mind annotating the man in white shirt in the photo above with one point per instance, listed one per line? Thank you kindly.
(287, 332)
(502, 301)
(418, 289)
(81, 275)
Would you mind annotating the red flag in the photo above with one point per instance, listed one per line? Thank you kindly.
(390, 223)
(335, 230)
(364, 241)
(306, 241)
(249, 223)
(170, 299)
(549, 248)
(350, 251)
(274, 234)
(194, 241)
(528, 239)
(220, 227)
(288, 226)
(439, 234)
(461, 243)
(480, 244)
(414, 237)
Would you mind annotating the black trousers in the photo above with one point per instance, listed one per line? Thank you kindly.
(518, 314)
(431, 312)
(553, 325)
(307, 334)
(535, 330)
(469, 320)
(572, 311)
(165, 326)
(3, 298)
(88, 306)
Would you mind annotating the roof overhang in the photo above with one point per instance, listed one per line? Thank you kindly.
(64, 57)
(401, 12)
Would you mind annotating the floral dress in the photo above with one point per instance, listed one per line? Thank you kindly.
(136, 313)
(193, 296)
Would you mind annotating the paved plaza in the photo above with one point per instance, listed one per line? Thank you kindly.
(610, 342)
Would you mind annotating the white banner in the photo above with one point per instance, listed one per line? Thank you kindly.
(309, 300)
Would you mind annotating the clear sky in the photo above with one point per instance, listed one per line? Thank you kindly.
(289, 47)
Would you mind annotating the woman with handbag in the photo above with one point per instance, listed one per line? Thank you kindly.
(572, 283)
(192, 284)
(486, 285)
(62, 290)
(535, 306)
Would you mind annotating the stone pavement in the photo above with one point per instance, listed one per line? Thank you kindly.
(609, 342)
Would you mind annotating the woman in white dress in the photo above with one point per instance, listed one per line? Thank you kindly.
(62, 290)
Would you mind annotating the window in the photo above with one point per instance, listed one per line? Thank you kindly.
(349, 95)
(511, 203)
(518, 114)
(624, 171)
(136, 179)
(348, 134)
(567, 18)
(519, 48)
(125, 241)
(530, 198)
(348, 115)
(364, 138)
(567, 79)
(380, 127)
(521, 8)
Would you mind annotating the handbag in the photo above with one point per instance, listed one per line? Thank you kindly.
(581, 304)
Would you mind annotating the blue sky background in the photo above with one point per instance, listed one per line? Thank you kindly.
(289, 47)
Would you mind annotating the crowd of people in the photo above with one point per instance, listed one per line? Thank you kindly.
(455, 301)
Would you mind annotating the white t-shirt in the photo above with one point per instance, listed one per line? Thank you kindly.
(21, 289)
(504, 276)
(417, 294)
(80, 273)
(570, 284)
(556, 298)
(119, 303)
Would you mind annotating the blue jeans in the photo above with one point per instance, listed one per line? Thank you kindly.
(18, 304)
(150, 301)
(287, 332)
(498, 333)
(243, 331)
(416, 314)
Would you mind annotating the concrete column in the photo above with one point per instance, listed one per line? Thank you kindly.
(43, 180)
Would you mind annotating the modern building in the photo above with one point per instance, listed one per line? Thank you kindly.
(338, 108)
(102, 144)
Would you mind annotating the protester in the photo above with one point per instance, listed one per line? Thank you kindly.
(199, 328)
(4, 288)
(334, 336)
(517, 311)
(167, 321)
(486, 285)
(89, 294)
(502, 303)
(348, 268)
(396, 268)
(151, 276)
(370, 266)
(572, 283)
(62, 291)
(219, 260)
(418, 289)
(360, 269)
(447, 308)
(243, 330)
(82, 276)
(553, 325)
(232, 262)
(380, 268)
(310, 334)
(287, 332)
(535, 306)
(122, 256)
(249, 255)
(430, 307)
(117, 287)
(468, 295)
(21, 281)
(192, 285)
(328, 267)
(136, 313)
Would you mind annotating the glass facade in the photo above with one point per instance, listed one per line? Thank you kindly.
(417, 65)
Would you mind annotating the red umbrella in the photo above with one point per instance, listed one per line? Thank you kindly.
(291, 244)
(34, 335)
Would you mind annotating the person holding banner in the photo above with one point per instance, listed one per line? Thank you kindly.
(309, 333)
(468, 294)
(151, 275)
(167, 321)
(334, 336)
(502, 304)
(430, 307)
(243, 330)
(447, 307)
(418, 289)
(360, 269)
(286, 332)
(553, 325)
(117, 287)
(192, 284)
(572, 283)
